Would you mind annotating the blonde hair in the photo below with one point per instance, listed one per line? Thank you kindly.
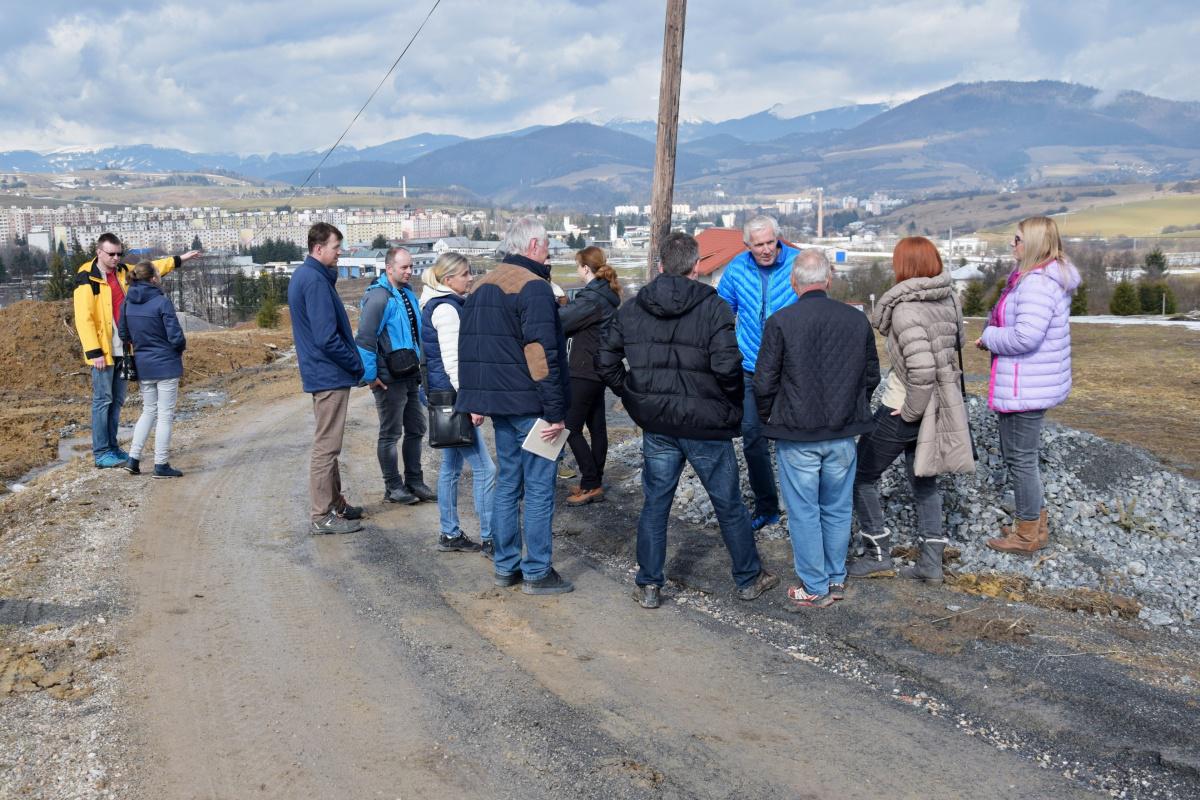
(1042, 242)
(448, 265)
(594, 259)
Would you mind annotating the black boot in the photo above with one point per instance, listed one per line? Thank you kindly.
(929, 561)
(876, 561)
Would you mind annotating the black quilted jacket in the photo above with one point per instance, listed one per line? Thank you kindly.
(685, 370)
(816, 371)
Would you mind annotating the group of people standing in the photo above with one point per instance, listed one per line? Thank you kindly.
(767, 356)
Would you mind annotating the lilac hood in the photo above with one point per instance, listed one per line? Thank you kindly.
(1029, 336)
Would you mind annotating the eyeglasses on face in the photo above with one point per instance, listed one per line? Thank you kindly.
(113, 253)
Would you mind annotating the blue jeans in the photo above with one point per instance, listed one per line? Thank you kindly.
(757, 450)
(1020, 444)
(483, 475)
(108, 395)
(521, 475)
(716, 467)
(818, 484)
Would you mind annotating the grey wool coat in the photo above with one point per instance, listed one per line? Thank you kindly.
(923, 326)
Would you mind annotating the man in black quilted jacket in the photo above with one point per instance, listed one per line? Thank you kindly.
(817, 369)
(684, 388)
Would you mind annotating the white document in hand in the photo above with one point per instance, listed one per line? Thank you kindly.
(535, 444)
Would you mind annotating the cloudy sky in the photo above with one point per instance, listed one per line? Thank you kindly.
(258, 76)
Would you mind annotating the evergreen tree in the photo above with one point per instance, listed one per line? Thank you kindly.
(1124, 301)
(477, 235)
(1155, 263)
(59, 286)
(196, 243)
(620, 228)
(972, 304)
(1079, 303)
(379, 242)
(993, 296)
(1151, 298)
(268, 313)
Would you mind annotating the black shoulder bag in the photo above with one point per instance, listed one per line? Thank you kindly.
(962, 380)
(404, 362)
(447, 427)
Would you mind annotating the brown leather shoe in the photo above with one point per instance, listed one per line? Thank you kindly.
(1021, 542)
(1043, 539)
(586, 496)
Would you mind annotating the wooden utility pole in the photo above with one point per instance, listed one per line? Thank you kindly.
(668, 132)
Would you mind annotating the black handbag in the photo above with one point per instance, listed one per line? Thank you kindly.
(126, 368)
(447, 427)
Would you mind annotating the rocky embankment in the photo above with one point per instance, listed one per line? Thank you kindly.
(1120, 524)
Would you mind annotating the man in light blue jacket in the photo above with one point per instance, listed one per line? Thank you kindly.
(389, 340)
(756, 284)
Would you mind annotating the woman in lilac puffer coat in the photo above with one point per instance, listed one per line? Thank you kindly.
(1029, 336)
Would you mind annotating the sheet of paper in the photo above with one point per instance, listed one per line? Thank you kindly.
(538, 446)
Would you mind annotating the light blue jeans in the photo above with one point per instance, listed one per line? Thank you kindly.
(525, 480)
(483, 474)
(158, 412)
(818, 489)
(108, 395)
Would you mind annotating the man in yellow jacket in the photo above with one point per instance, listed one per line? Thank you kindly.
(100, 286)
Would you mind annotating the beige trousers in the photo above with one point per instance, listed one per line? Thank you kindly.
(324, 480)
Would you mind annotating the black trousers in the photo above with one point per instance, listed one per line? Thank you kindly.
(587, 408)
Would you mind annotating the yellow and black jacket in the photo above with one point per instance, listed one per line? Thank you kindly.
(93, 305)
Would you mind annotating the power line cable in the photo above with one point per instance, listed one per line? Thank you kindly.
(382, 81)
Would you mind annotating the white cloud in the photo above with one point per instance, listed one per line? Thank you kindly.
(275, 75)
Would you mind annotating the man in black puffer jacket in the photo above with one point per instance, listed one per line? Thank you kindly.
(684, 389)
(817, 369)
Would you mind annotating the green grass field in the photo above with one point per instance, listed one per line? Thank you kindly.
(1142, 218)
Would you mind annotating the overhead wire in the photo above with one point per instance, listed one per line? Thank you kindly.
(379, 86)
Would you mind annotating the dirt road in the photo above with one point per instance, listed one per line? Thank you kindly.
(275, 664)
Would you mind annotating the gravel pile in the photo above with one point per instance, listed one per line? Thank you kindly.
(1119, 521)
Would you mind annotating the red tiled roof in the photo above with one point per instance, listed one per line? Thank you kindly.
(719, 246)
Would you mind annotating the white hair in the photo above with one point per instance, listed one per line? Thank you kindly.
(811, 267)
(760, 223)
(520, 232)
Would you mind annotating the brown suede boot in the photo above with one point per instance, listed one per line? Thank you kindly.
(1021, 542)
(1043, 537)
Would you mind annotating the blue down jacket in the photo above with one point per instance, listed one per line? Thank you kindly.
(148, 320)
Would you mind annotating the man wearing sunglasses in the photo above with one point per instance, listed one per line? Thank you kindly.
(100, 286)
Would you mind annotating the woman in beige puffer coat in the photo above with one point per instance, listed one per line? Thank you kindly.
(921, 413)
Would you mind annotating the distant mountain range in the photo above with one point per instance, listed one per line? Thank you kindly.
(963, 137)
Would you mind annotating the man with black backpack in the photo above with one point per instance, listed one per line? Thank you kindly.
(389, 342)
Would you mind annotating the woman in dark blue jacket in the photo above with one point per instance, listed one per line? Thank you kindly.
(151, 331)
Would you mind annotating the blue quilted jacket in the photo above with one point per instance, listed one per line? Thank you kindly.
(755, 293)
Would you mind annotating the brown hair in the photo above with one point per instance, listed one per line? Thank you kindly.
(916, 257)
(320, 233)
(143, 271)
(594, 259)
(1042, 242)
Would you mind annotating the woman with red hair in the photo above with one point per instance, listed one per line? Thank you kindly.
(921, 413)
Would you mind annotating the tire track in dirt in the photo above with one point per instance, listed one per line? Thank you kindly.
(368, 665)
